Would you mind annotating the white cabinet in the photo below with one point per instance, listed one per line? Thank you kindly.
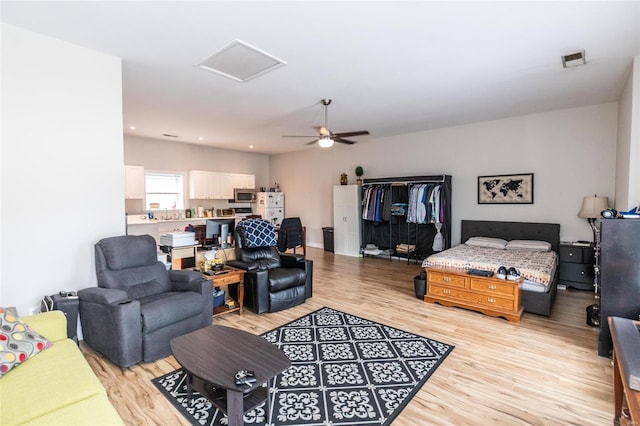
(225, 186)
(204, 185)
(244, 181)
(346, 219)
(134, 182)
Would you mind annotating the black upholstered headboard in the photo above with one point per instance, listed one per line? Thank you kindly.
(512, 231)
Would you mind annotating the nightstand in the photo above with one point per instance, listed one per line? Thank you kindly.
(577, 266)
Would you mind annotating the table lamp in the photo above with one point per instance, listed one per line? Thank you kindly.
(591, 209)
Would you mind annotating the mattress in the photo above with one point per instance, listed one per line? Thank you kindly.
(536, 267)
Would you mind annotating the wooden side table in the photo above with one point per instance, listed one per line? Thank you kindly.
(228, 276)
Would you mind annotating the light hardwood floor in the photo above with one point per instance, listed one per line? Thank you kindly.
(542, 371)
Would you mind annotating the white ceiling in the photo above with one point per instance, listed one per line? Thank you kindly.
(389, 67)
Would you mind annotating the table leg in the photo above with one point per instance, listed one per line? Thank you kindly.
(189, 387)
(618, 392)
(235, 408)
(241, 293)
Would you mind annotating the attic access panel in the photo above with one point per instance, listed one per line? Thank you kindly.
(241, 62)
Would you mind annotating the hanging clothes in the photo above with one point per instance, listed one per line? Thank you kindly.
(425, 204)
(376, 203)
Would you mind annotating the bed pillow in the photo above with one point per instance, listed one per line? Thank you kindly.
(533, 245)
(496, 243)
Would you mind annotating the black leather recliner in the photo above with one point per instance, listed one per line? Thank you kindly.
(139, 306)
(272, 282)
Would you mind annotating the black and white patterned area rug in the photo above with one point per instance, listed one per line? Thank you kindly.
(346, 370)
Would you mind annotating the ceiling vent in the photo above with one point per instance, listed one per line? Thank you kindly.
(241, 61)
(573, 59)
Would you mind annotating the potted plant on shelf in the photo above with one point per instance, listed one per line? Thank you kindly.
(359, 173)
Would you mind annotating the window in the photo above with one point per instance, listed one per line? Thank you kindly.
(164, 191)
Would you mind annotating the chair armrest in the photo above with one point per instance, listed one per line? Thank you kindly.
(199, 285)
(52, 325)
(184, 276)
(291, 260)
(247, 266)
(102, 296)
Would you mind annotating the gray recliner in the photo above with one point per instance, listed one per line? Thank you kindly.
(139, 306)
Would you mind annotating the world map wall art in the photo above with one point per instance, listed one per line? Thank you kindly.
(505, 189)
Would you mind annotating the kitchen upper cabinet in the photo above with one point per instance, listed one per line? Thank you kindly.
(134, 182)
(204, 185)
(244, 181)
(225, 186)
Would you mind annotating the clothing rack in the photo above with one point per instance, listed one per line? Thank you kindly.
(389, 232)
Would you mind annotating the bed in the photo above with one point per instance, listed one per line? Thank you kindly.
(538, 290)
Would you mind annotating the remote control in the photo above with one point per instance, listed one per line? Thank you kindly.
(479, 272)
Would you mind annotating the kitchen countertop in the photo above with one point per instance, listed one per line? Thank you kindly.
(141, 219)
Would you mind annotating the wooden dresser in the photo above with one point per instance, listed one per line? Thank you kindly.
(491, 296)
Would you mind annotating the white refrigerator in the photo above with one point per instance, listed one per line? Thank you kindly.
(270, 205)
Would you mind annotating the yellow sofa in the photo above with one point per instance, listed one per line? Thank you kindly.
(56, 386)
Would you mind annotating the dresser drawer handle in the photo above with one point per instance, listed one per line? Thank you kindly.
(446, 279)
(570, 254)
(581, 272)
(492, 287)
(491, 300)
(446, 291)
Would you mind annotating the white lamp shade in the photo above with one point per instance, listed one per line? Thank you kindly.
(592, 206)
(325, 142)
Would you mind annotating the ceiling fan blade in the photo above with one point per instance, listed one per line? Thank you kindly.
(337, 139)
(299, 136)
(355, 133)
(312, 142)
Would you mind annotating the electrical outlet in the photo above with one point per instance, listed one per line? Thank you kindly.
(34, 310)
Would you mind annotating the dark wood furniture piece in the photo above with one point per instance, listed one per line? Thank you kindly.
(229, 276)
(620, 275)
(532, 302)
(491, 296)
(576, 266)
(213, 355)
(621, 385)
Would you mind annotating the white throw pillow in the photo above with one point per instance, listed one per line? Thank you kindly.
(533, 245)
(496, 243)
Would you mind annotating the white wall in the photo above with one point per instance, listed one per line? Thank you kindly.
(628, 146)
(62, 173)
(571, 153)
(162, 155)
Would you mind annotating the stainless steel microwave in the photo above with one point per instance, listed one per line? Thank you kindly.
(243, 195)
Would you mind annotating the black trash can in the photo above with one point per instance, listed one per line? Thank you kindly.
(420, 285)
(327, 232)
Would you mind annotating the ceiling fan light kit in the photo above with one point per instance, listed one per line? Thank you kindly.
(325, 142)
(326, 137)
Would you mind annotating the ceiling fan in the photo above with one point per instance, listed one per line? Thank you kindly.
(326, 137)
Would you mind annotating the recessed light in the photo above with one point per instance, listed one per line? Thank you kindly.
(132, 127)
(251, 146)
(200, 138)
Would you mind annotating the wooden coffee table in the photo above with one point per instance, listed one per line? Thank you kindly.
(213, 355)
(230, 275)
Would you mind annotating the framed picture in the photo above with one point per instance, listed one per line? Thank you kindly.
(505, 189)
